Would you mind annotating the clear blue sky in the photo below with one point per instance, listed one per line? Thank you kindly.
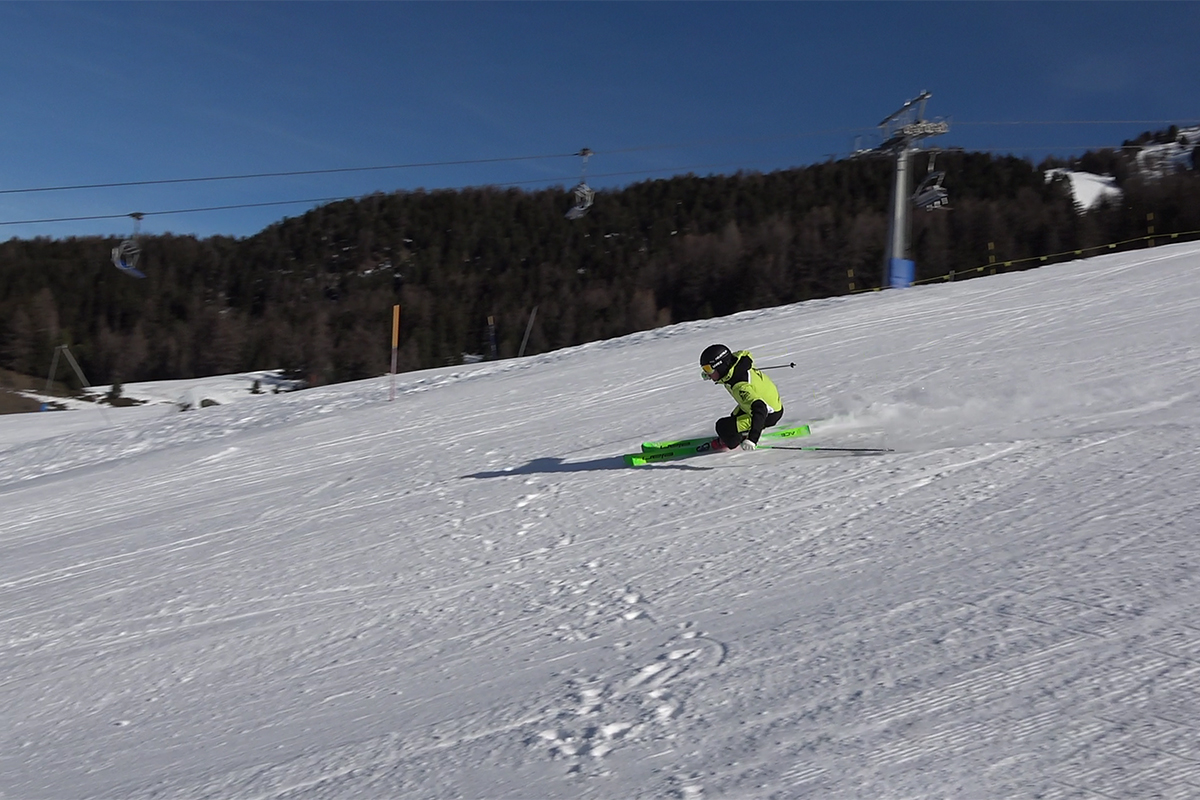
(105, 92)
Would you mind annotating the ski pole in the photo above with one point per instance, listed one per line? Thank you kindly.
(835, 449)
(778, 366)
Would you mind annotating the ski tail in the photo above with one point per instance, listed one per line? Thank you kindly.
(684, 449)
(650, 447)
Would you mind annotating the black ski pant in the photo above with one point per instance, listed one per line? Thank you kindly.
(727, 427)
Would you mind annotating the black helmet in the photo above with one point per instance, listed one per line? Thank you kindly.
(716, 360)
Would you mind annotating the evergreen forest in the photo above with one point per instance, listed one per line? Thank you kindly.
(313, 294)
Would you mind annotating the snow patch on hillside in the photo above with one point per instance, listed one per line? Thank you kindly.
(1088, 189)
(1157, 160)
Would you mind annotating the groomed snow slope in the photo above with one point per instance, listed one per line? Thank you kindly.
(465, 594)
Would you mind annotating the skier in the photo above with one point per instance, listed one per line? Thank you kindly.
(758, 403)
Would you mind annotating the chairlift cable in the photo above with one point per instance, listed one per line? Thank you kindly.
(1082, 122)
(415, 165)
(286, 174)
(681, 170)
(670, 146)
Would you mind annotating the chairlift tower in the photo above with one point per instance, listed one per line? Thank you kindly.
(901, 131)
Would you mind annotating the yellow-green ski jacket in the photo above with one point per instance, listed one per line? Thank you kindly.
(755, 393)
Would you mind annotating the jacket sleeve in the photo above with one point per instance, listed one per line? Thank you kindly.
(752, 405)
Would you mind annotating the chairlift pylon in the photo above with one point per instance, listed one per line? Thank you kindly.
(584, 196)
(125, 256)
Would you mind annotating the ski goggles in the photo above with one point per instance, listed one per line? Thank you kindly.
(708, 373)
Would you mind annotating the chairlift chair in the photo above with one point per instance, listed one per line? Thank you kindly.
(583, 193)
(125, 255)
(930, 194)
(583, 201)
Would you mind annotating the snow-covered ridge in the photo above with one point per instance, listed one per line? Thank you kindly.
(1153, 160)
(1163, 159)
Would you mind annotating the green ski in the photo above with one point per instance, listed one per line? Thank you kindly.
(654, 452)
(781, 433)
(669, 454)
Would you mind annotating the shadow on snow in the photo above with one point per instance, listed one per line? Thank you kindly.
(546, 465)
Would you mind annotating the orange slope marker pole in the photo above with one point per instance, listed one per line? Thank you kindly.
(395, 344)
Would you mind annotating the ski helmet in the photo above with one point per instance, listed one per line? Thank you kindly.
(716, 360)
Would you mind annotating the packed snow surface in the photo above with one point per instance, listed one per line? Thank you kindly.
(464, 593)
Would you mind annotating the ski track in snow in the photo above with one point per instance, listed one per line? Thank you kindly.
(465, 594)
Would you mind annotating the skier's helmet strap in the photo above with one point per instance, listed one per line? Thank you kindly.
(716, 361)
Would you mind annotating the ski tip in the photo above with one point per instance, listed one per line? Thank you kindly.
(635, 460)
